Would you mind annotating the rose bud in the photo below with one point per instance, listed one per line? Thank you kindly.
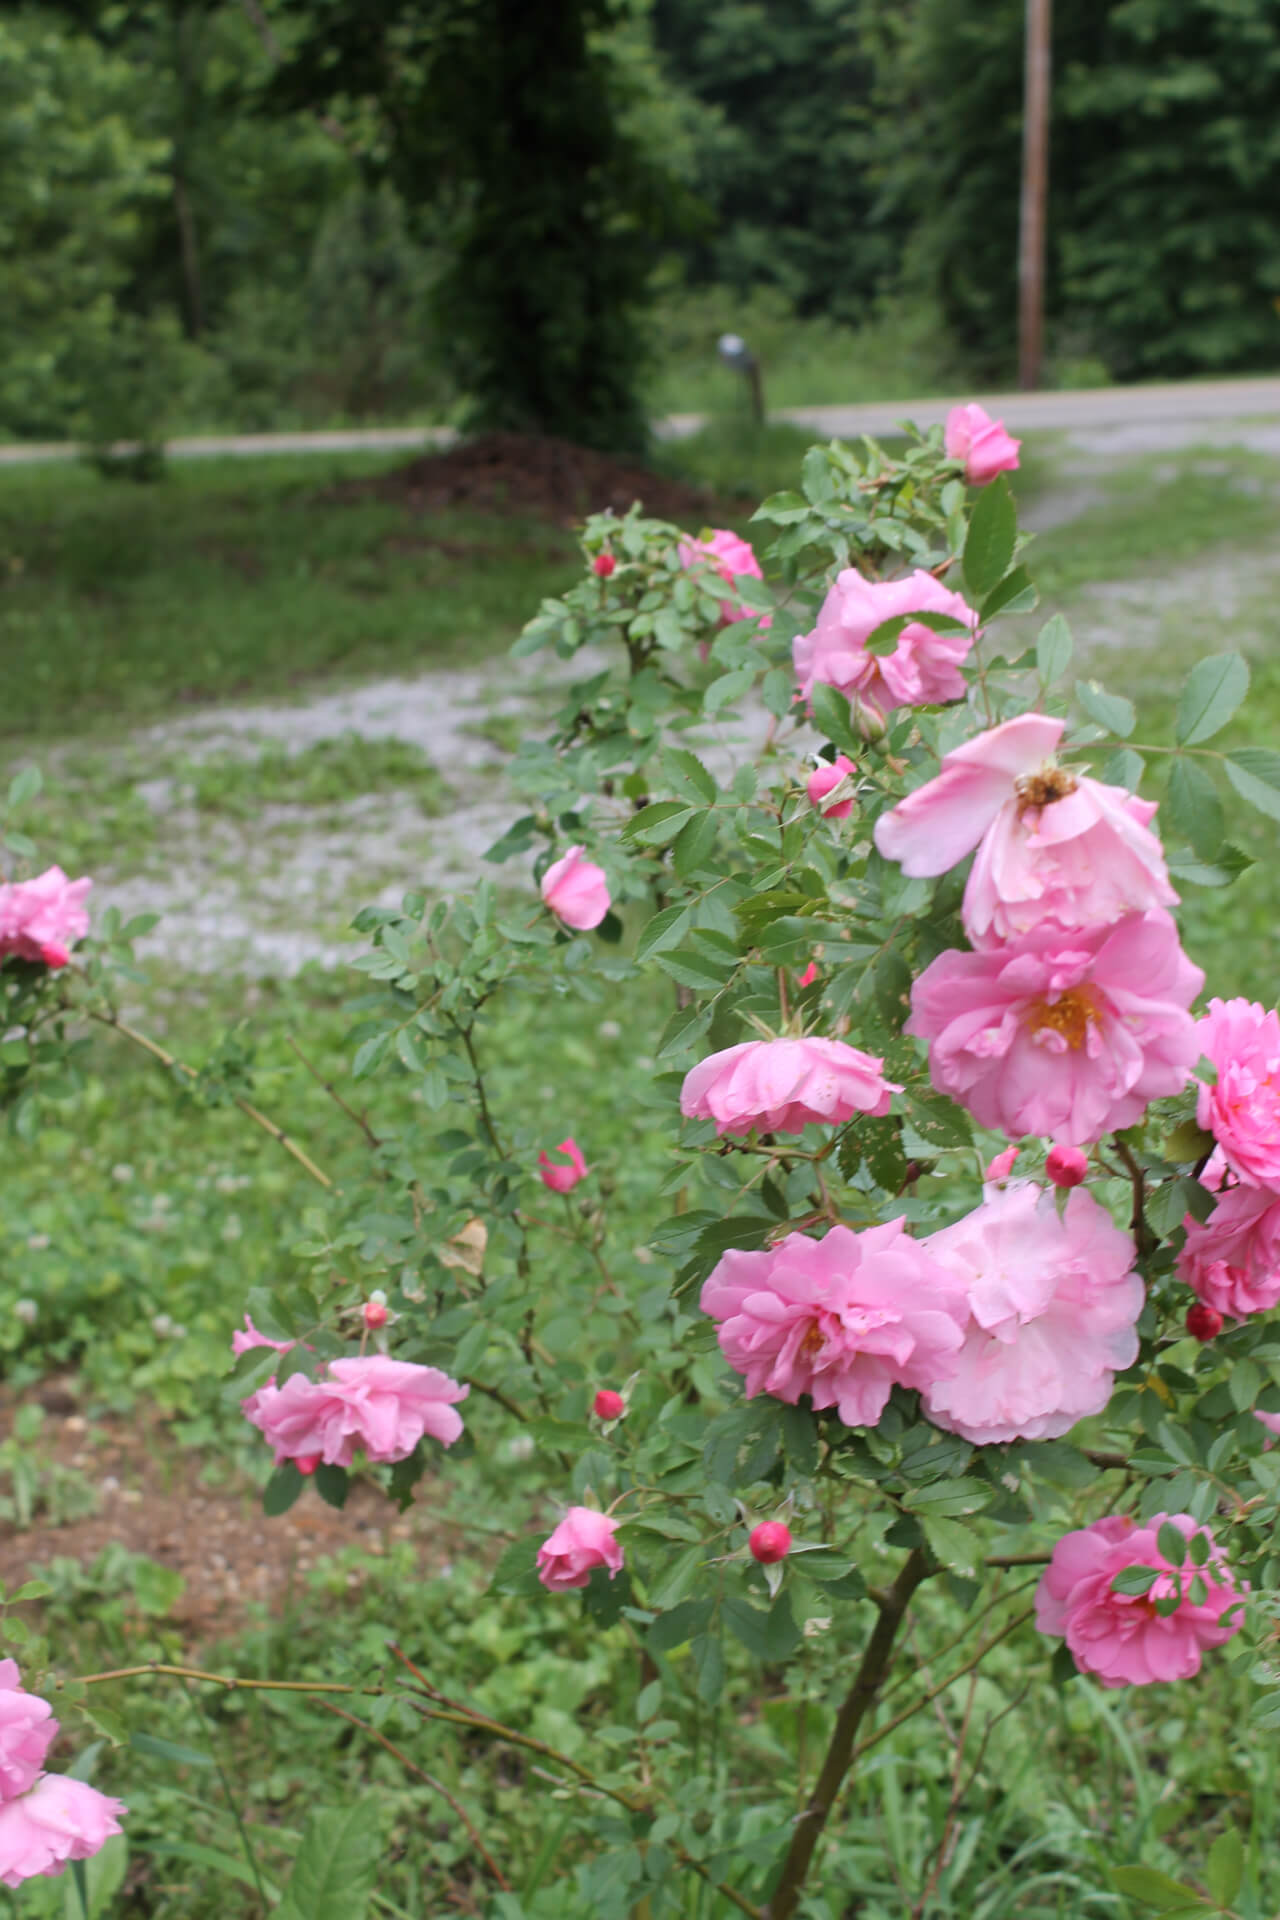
(306, 1463)
(1067, 1166)
(1203, 1323)
(823, 779)
(375, 1312)
(608, 1405)
(770, 1542)
(603, 565)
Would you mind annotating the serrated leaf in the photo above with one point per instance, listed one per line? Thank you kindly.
(1135, 1580)
(657, 823)
(666, 929)
(1054, 648)
(831, 715)
(729, 687)
(1215, 687)
(1016, 593)
(1254, 772)
(335, 1866)
(694, 844)
(1224, 1869)
(1172, 1543)
(1194, 807)
(989, 543)
(1110, 710)
(952, 1544)
(690, 778)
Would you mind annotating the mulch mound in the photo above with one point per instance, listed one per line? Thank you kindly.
(521, 473)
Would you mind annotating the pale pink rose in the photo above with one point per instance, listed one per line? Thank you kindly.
(843, 1319)
(1242, 1111)
(369, 1401)
(1052, 844)
(781, 1086)
(1068, 1034)
(924, 667)
(583, 1541)
(1000, 1166)
(733, 559)
(1119, 1637)
(1053, 1307)
(57, 1820)
(554, 1174)
(823, 779)
(1231, 1261)
(42, 919)
(244, 1342)
(576, 890)
(27, 1731)
(981, 442)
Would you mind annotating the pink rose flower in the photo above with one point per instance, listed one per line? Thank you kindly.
(372, 1402)
(27, 1731)
(1065, 1034)
(559, 1178)
(823, 779)
(56, 1820)
(1271, 1421)
(42, 919)
(843, 1319)
(1066, 1166)
(1000, 1166)
(1242, 1111)
(924, 667)
(1231, 1261)
(981, 442)
(244, 1342)
(1053, 1307)
(810, 974)
(1119, 1637)
(576, 890)
(1052, 844)
(583, 1540)
(733, 559)
(781, 1086)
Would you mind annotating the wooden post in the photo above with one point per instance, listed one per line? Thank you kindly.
(1035, 185)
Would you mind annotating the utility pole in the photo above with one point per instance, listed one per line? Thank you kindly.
(1035, 186)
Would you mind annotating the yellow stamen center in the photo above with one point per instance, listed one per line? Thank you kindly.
(1071, 1015)
(1043, 788)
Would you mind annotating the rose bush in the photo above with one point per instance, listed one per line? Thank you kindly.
(875, 1382)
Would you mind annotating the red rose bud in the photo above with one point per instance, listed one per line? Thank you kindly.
(306, 1463)
(1203, 1323)
(608, 1405)
(375, 1314)
(770, 1542)
(1067, 1166)
(603, 564)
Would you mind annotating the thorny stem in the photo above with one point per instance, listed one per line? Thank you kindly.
(437, 1786)
(1142, 1233)
(486, 1117)
(335, 1096)
(251, 1112)
(860, 1698)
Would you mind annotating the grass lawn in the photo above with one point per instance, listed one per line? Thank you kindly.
(131, 1230)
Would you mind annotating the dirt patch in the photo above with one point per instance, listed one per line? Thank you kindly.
(528, 474)
(152, 1499)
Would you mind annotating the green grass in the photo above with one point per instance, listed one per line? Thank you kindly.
(230, 577)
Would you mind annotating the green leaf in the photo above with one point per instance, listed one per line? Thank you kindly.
(1054, 647)
(678, 1579)
(688, 776)
(1215, 687)
(1016, 593)
(1224, 1869)
(1157, 1890)
(335, 1865)
(1254, 772)
(1110, 710)
(231, 1865)
(281, 1490)
(694, 844)
(1194, 807)
(332, 1484)
(659, 822)
(989, 543)
(671, 1630)
(831, 716)
(24, 786)
(1135, 1580)
(1172, 1543)
(158, 1749)
(728, 688)
(666, 929)
(951, 1544)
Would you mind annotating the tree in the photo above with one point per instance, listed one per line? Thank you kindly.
(505, 129)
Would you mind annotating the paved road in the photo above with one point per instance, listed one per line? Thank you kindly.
(1119, 419)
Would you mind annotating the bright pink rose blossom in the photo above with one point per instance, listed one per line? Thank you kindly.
(981, 442)
(733, 559)
(583, 1541)
(1065, 1034)
(1053, 1306)
(781, 1086)
(27, 1731)
(823, 779)
(1119, 1637)
(843, 1319)
(554, 1174)
(372, 1402)
(1243, 1110)
(57, 1820)
(1231, 1261)
(924, 667)
(576, 890)
(42, 919)
(1052, 844)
